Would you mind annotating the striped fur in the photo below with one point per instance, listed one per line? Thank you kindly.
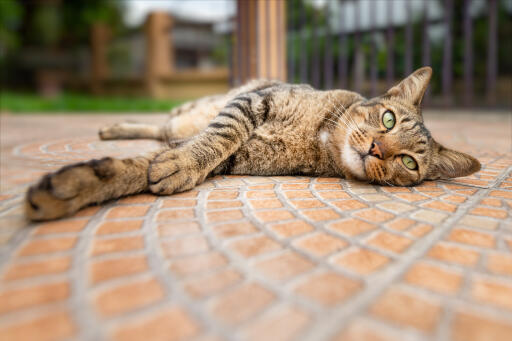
(262, 128)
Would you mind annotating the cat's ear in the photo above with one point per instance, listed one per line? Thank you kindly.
(448, 163)
(413, 87)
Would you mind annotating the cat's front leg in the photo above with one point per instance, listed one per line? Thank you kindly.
(182, 168)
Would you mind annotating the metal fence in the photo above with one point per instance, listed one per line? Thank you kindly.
(367, 45)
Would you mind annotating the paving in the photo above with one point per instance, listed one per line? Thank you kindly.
(259, 258)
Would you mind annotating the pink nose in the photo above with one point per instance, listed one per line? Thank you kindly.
(377, 150)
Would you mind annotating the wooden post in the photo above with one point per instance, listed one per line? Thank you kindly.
(100, 35)
(260, 40)
(159, 51)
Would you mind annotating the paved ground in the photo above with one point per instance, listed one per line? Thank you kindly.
(259, 258)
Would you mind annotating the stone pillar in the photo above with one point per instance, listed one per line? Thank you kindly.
(260, 40)
(159, 50)
(100, 35)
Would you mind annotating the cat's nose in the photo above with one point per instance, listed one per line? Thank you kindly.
(377, 150)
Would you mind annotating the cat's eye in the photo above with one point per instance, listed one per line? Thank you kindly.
(409, 162)
(388, 119)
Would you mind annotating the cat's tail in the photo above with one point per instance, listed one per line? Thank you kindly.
(72, 187)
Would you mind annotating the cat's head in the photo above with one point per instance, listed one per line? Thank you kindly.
(384, 139)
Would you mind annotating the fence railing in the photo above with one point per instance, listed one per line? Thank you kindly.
(367, 45)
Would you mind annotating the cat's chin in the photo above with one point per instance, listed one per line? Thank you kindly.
(353, 161)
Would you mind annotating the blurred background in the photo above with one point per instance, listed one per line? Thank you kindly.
(145, 55)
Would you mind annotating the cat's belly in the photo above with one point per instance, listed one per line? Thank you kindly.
(275, 155)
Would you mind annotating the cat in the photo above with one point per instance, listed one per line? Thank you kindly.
(265, 128)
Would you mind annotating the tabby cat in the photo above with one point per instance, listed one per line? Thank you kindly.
(265, 128)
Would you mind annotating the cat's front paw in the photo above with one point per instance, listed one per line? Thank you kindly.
(67, 190)
(172, 171)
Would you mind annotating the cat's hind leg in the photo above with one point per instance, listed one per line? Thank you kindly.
(129, 130)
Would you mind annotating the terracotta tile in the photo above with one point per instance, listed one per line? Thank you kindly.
(214, 205)
(321, 214)
(128, 297)
(352, 227)
(490, 212)
(374, 197)
(169, 325)
(222, 195)
(274, 215)
(260, 194)
(307, 203)
(86, 212)
(328, 288)
(110, 227)
(174, 203)
(374, 215)
(284, 266)
(407, 311)
(224, 216)
(103, 246)
(491, 202)
(501, 194)
(396, 189)
(453, 254)
(255, 298)
(185, 246)
(439, 205)
(471, 327)
(61, 226)
(471, 237)
(177, 214)
(434, 278)
(500, 263)
(254, 246)
(455, 198)
(432, 217)
(348, 205)
(104, 270)
(361, 261)
(479, 222)
(320, 187)
(411, 197)
(44, 246)
(45, 327)
(211, 284)
(285, 323)
(291, 228)
(229, 230)
(298, 194)
(360, 331)
(37, 268)
(198, 263)
(332, 195)
(396, 207)
(127, 211)
(390, 242)
(294, 186)
(262, 187)
(178, 229)
(320, 244)
(492, 292)
(138, 199)
(419, 230)
(401, 224)
(265, 203)
(327, 180)
(36, 295)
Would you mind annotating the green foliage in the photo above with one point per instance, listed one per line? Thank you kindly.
(69, 102)
(10, 20)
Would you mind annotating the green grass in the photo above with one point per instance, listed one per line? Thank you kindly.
(70, 102)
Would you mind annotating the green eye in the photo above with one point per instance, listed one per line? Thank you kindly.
(388, 119)
(409, 162)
